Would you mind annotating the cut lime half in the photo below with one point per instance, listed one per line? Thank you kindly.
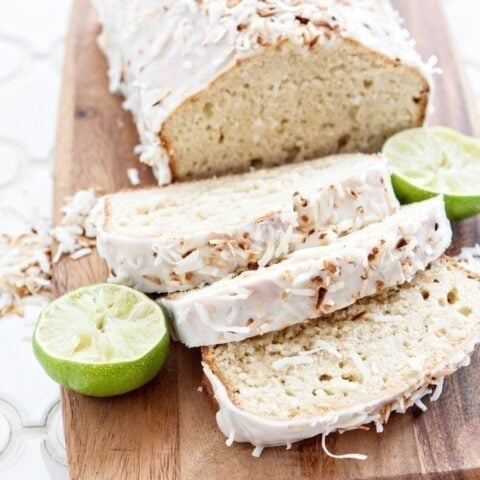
(102, 340)
(436, 160)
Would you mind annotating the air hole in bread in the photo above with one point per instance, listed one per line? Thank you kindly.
(292, 153)
(351, 377)
(325, 377)
(256, 162)
(452, 296)
(441, 332)
(221, 138)
(343, 141)
(425, 294)
(466, 311)
(368, 84)
(208, 110)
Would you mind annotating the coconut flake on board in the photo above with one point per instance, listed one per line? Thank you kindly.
(133, 176)
(25, 268)
(75, 232)
(26, 260)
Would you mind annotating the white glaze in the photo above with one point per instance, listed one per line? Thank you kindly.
(161, 52)
(243, 426)
(313, 281)
(179, 262)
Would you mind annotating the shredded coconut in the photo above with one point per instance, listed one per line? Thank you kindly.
(470, 257)
(360, 364)
(291, 361)
(74, 233)
(26, 260)
(421, 405)
(229, 440)
(438, 390)
(133, 177)
(346, 456)
(378, 426)
(257, 451)
(25, 268)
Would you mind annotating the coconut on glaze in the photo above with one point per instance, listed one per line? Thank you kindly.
(161, 52)
(241, 426)
(313, 216)
(313, 282)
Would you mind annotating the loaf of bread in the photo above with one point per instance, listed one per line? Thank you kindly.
(354, 368)
(187, 235)
(221, 86)
(314, 281)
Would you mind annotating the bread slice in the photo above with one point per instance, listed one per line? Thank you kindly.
(187, 235)
(220, 86)
(314, 281)
(354, 367)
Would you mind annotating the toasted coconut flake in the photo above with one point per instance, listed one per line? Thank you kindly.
(75, 232)
(26, 260)
(24, 268)
(133, 177)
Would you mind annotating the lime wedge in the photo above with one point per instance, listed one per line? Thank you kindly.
(102, 340)
(436, 160)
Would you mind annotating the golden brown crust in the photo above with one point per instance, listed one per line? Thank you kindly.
(207, 388)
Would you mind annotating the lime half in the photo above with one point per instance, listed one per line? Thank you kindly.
(102, 340)
(436, 160)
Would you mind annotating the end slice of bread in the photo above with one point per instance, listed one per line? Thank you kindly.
(219, 86)
(355, 367)
(187, 235)
(313, 281)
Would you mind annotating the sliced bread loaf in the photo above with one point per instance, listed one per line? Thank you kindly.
(354, 367)
(313, 281)
(190, 234)
(219, 86)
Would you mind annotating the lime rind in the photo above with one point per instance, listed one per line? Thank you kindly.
(436, 160)
(107, 379)
(102, 340)
(456, 207)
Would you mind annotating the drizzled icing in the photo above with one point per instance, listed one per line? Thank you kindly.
(265, 432)
(314, 281)
(358, 198)
(161, 52)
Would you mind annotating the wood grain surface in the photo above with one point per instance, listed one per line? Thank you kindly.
(167, 429)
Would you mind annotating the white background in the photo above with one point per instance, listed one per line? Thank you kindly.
(32, 33)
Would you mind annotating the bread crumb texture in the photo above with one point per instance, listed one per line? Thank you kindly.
(286, 105)
(379, 346)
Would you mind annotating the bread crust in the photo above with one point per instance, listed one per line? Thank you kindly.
(382, 406)
(208, 352)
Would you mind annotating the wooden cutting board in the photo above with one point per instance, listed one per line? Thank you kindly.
(167, 429)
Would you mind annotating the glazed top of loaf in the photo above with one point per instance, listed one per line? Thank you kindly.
(161, 52)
